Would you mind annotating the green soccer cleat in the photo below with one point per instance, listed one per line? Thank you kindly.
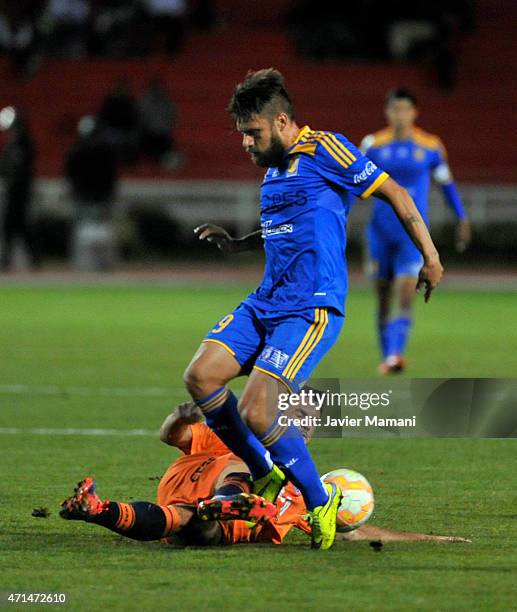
(270, 485)
(323, 519)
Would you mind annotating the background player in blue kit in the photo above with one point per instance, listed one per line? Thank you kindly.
(412, 157)
(280, 332)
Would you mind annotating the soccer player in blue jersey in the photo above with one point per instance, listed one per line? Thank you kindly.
(412, 157)
(280, 332)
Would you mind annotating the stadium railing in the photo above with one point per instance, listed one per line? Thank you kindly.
(236, 203)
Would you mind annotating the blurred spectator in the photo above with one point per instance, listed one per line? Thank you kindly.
(17, 172)
(19, 34)
(167, 21)
(157, 122)
(119, 28)
(423, 33)
(91, 169)
(333, 30)
(374, 29)
(66, 27)
(118, 121)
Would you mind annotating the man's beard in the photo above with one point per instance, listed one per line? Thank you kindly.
(273, 156)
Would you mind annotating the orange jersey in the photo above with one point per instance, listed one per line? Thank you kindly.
(192, 477)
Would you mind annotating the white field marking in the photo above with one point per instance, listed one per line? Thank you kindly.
(56, 390)
(56, 431)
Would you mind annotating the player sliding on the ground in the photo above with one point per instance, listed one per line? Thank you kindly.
(282, 330)
(412, 157)
(207, 469)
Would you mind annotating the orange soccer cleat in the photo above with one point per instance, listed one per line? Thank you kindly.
(84, 503)
(244, 506)
(394, 364)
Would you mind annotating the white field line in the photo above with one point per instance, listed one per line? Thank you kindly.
(56, 431)
(56, 390)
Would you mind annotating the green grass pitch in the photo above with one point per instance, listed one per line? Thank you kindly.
(109, 357)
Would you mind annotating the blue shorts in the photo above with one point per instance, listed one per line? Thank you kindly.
(388, 259)
(287, 345)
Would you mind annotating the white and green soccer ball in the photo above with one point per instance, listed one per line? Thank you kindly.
(357, 502)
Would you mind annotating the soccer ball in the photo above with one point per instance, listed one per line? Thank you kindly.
(357, 503)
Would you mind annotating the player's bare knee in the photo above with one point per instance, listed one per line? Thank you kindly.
(211, 367)
(196, 380)
(253, 414)
(200, 380)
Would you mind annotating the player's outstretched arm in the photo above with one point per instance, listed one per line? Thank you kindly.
(225, 242)
(406, 210)
(372, 532)
(175, 429)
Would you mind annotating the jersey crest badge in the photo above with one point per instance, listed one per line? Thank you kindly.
(274, 356)
(292, 168)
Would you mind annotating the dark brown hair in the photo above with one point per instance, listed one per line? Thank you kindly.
(262, 91)
(400, 93)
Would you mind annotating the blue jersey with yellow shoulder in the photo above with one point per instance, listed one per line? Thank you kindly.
(412, 162)
(304, 207)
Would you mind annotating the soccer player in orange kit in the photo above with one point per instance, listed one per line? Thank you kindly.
(186, 511)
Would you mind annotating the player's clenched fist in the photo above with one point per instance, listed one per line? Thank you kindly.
(174, 430)
(430, 276)
(217, 235)
(189, 412)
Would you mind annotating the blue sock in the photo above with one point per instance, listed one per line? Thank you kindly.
(223, 418)
(382, 330)
(398, 334)
(390, 331)
(289, 452)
